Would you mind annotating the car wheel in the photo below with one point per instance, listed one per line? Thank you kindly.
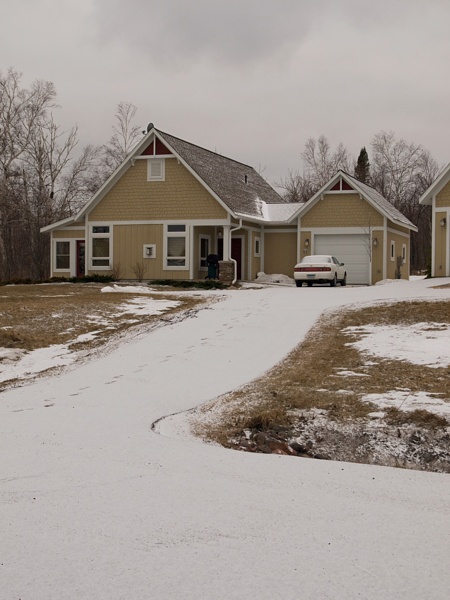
(309, 283)
(333, 281)
(298, 283)
(344, 281)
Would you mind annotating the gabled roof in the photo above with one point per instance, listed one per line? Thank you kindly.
(441, 180)
(236, 186)
(369, 193)
(239, 186)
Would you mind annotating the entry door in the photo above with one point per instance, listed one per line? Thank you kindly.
(236, 253)
(81, 257)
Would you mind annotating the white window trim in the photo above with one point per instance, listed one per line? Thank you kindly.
(162, 175)
(392, 254)
(167, 235)
(71, 255)
(202, 236)
(404, 255)
(152, 253)
(93, 236)
(257, 247)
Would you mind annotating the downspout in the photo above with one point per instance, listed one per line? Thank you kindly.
(232, 259)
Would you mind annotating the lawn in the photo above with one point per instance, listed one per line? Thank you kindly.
(387, 404)
(57, 324)
(329, 398)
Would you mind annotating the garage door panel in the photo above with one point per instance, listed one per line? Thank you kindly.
(350, 249)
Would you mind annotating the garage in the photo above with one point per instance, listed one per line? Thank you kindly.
(351, 249)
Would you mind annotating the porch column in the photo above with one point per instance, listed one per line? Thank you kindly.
(226, 242)
(191, 250)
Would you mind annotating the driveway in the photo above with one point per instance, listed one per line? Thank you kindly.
(95, 505)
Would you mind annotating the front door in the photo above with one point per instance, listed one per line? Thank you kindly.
(236, 253)
(81, 254)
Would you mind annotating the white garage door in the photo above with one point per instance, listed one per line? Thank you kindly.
(349, 249)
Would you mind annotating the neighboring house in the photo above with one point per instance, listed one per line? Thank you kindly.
(352, 221)
(438, 197)
(171, 204)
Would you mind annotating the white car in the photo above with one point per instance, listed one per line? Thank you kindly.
(320, 269)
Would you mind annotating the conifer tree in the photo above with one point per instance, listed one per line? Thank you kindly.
(362, 168)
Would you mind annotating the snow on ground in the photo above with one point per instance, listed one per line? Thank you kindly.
(96, 505)
(20, 364)
(420, 344)
(408, 401)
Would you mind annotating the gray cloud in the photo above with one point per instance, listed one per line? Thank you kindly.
(232, 31)
(251, 79)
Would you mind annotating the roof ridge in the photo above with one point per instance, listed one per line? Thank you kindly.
(358, 181)
(206, 149)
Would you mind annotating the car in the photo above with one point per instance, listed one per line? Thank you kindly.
(320, 268)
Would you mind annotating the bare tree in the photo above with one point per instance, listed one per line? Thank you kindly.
(321, 163)
(21, 114)
(124, 138)
(40, 181)
(401, 172)
(297, 188)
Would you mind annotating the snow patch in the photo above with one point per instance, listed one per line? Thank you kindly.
(420, 344)
(262, 277)
(408, 401)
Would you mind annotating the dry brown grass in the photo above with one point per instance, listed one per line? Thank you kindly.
(307, 378)
(37, 316)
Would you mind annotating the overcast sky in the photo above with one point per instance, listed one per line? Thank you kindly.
(251, 79)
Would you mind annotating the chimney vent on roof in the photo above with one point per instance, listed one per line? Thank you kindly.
(149, 126)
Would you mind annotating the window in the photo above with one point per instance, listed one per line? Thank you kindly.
(392, 250)
(62, 256)
(257, 251)
(101, 247)
(205, 242)
(176, 247)
(403, 253)
(155, 169)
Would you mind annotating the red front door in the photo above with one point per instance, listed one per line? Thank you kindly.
(81, 253)
(236, 253)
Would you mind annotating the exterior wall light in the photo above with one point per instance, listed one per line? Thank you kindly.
(306, 242)
(375, 241)
(443, 222)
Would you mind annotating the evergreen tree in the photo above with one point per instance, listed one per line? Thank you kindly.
(362, 168)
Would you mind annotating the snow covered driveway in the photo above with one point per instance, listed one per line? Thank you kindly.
(94, 505)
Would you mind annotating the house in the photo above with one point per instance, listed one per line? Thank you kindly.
(172, 203)
(438, 197)
(352, 221)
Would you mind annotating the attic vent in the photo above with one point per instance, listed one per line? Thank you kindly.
(155, 169)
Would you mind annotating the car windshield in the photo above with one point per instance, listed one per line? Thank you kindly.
(315, 259)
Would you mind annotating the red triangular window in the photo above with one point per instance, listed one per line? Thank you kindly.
(336, 187)
(148, 150)
(161, 149)
(346, 186)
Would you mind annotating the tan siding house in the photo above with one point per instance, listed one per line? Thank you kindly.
(171, 204)
(438, 197)
(352, 221)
